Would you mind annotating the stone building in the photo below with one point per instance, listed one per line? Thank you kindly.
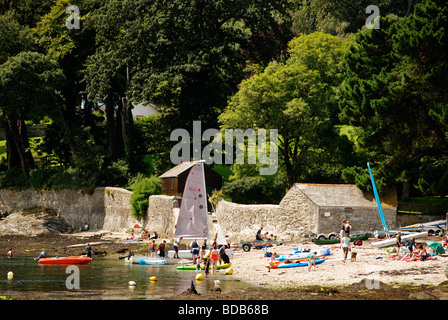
(308, 209)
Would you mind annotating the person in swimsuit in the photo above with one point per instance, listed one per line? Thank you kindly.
(214, 256)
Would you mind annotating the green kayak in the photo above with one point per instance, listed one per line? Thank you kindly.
(194, 267)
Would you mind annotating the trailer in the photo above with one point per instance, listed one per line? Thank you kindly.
(258, 244)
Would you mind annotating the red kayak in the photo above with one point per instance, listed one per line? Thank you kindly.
(66, 260)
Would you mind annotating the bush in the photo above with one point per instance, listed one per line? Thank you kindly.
(251, 190)
(142, 189)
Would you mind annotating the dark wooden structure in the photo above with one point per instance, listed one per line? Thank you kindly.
(173, 181)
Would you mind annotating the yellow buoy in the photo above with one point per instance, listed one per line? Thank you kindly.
(10, 275)
(200, 277)
(153, 278)
(229, 271)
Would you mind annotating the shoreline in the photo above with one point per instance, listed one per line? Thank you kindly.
(374, 276)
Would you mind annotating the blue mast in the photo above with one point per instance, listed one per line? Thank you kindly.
(378, 202)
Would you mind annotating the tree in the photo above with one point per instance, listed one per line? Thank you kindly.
(78, 137)
(28, 91)
(14, 38)
(394, 93)
(182, 58)
(299, 98)
(342, 16)
(28, 12)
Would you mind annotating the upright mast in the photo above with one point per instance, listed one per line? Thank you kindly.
(378, 202)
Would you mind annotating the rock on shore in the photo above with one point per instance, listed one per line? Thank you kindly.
(33, 222)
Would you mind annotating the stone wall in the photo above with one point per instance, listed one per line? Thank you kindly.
(296, 216)
(161, 215)
(109, 209)
(404, 219)
(74, 206)
(361, 218)
(105, 209)
(240, 222)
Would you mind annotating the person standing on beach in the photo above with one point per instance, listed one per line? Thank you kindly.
(161, 249)
(176, 247)
(342, 233)
(348, 228)
(203, 248)
(345, 242)
(214, 256)
(152, 248)
(194, 248)
(398, 237)
(89, 250)
(312, 261)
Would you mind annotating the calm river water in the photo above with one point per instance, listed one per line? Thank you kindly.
(103, 279)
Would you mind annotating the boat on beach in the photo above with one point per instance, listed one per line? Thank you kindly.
(393, 241)
(186, 254)
(293, 264)
(192, 221)
(364, 236)
(71, 260)
(194, 267)
(297, 255)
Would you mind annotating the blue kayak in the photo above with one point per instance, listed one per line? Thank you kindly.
(298, 264)
(297, 255)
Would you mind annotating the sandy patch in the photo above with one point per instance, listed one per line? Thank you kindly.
(371, 263)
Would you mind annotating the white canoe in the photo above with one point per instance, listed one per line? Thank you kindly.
(186, 254)
(136, 260)
(153, 261)
(393, 241)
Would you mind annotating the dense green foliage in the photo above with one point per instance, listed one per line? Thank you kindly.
(394, 93)
(304, 67)
(142, 189)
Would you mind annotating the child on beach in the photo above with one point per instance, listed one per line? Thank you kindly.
(271, 261)
(345, 243)
(312, 261)
(214, 256)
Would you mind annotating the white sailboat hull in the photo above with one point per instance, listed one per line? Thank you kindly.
(154, 260)
(393, 241)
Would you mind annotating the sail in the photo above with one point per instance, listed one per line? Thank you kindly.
(378, 202)
(192, 221)
(220, 238)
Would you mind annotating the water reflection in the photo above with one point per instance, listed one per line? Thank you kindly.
(104, 278)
